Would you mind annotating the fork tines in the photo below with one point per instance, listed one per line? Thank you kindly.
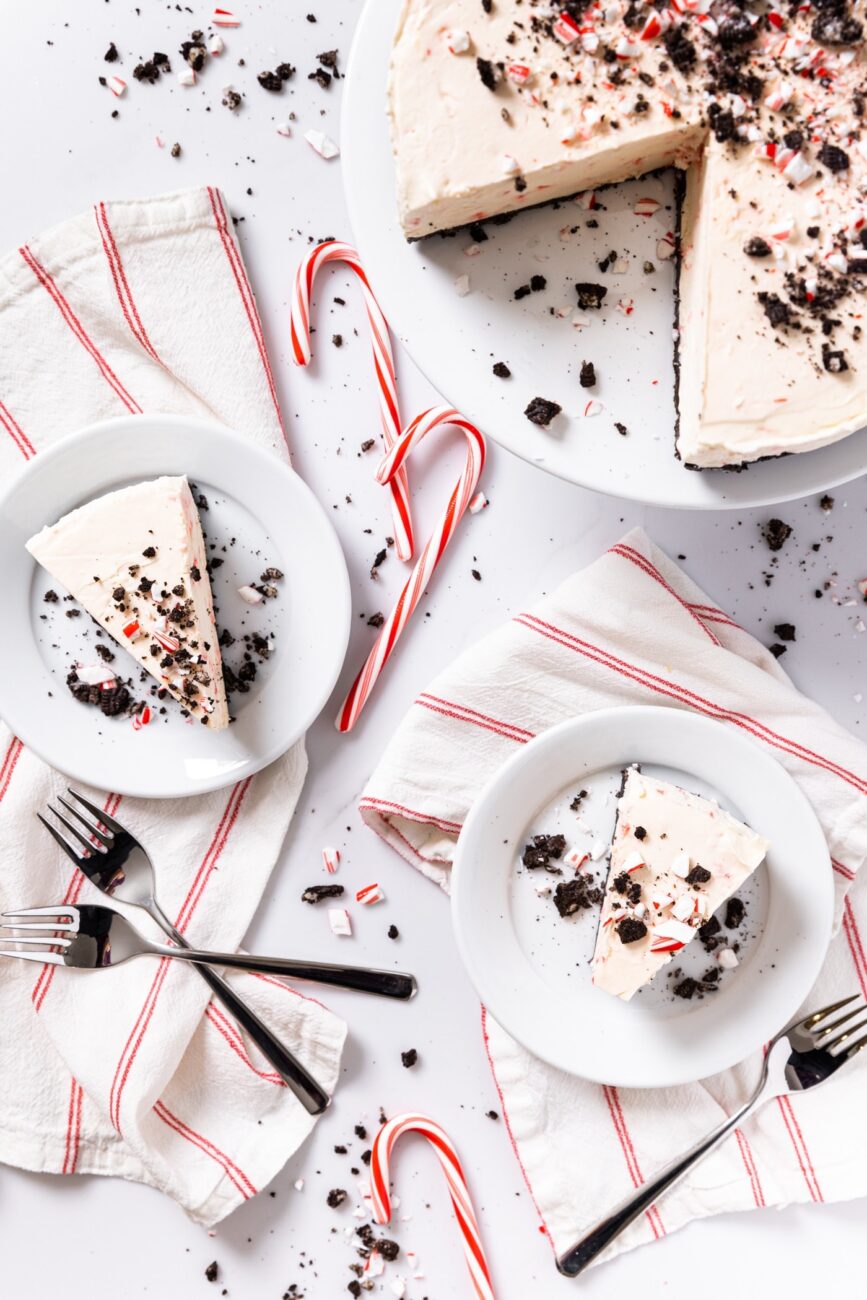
(48, 944)
(816, 1025)
(100, 828)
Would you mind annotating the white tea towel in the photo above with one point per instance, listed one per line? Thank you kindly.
(633, 629)
(131, 307)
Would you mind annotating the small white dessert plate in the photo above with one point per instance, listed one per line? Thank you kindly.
(259, 514)
(531, 967)
(455, 340)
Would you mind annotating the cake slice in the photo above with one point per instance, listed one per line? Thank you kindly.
(135, 560)
(675, 857)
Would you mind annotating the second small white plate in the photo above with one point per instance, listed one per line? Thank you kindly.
(536, 982)
(260, 514)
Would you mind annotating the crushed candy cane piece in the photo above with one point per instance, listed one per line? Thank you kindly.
(398, 1287)
(458, 41)
(587, 200)
(593, 407)
(566, 29)
(678, 931)
(370, 894)
(299, 1184)
(633, 862)
(478, 503)
(169, 643)
(684, 907)
(283, 128)
(646, 207)
(224, 18)
(374, 1265)
(187, 77)
(576, 858)
(462, 285)
(680, 866)
(131, 629)
(94, 674)
(322, 144)
(330, 859)
(626, 305)
(216, 45)
(598, 848)
(798, 170)
(509, 165)
(250, 595)
(518, 73)
(116, 85)
(727, 958)
(665, 248)
(338, 919)
(141, 719)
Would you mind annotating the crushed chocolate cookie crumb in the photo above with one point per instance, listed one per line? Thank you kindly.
(735, 912)
(335, 1198)
(409, 1059)
(501, 370)
(316, 893)
(631, 929)
(541, 411)
(587, 377)
(776, 533)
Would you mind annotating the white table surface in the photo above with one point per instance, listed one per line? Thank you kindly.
(83, 1237)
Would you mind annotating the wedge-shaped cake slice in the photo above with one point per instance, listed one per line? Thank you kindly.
(675, 857)
(135, 559)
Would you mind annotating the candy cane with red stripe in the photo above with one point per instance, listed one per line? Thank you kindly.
(425, 566)
(457, 1184)
(383, 360)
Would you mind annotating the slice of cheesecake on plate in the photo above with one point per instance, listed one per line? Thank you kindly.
(135, 560)
(675, 858)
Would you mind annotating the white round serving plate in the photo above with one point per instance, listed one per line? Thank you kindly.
(274, 519)
(455, 340)
(662, 1041)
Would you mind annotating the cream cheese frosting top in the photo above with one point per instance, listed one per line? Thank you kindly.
(675, 858)
(499, 106)
(135, 559)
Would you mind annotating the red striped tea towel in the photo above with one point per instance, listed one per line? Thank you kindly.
(131, 307)
(633, 629)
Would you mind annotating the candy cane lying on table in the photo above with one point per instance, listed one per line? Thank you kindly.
(436, 417)
(383, 360)
(457, 1184)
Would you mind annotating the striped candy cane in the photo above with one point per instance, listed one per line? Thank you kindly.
(383, 360)
(425, 566)
(457, 1184)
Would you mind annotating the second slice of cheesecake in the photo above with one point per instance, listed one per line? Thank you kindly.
(675, 858)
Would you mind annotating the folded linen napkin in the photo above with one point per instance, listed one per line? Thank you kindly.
(633, 629)
(131, 307)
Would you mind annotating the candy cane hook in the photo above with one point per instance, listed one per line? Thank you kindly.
(425, 566)
(383, 360)
(457, 1184)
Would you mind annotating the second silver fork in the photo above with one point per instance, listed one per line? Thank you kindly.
(118, 865)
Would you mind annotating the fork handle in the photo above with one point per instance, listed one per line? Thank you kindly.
(576, 1259)
(312, 1096)
(363, 979)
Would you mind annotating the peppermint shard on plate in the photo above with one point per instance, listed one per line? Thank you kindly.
(135, 560)
(675, 858)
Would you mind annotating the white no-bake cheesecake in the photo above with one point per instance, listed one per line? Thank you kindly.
(675, 858)
(497, 105)
(135, 560)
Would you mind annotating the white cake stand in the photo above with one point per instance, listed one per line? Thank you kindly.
(455, 340)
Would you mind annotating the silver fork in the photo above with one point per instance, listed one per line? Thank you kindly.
(115, 862)
(93, 937)
(803, 1056)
